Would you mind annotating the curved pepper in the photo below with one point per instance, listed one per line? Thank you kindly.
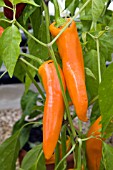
(73, 66)
(94, 146)
(54, 106)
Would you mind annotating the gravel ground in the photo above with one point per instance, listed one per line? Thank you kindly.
(10, 116)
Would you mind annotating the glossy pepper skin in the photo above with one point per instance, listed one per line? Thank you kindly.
(73, 66)
(9, 13)
(53, 108)
(1, 30)
(94, 146)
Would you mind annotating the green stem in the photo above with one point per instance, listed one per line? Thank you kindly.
(57, 11)
(14, 12)
(5, 20)
(93, 100)
(64, 28)
(98, 58)
(47, 18)
(79, 161)
(26, 62)
(64, 146)
(30, 35)
(63, 91)
(8, 7)
(33, 80)
(3, 74)
(57, 154)
(39, 61)
(70, 151)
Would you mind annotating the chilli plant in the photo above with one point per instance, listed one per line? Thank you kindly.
(68, 52)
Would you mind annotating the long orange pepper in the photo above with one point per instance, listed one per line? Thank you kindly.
(94, 146)
(54, 106)
(73, 66)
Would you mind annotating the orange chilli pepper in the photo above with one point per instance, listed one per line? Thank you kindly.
(73, 66)
(94, 146)
(52, 159)
(54, 106)
(1, 30)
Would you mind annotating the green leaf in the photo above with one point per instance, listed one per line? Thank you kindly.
(19, 72)
(34, 159)
(35, 48)
(92, 84)
(24, 1)
(36, 22)
(2, 3)
(97, 8)
(29, 9)
(89, 73)
(9, 47)
(106, 46)
(108, 156)
(106, 98)
(71, 5)
(28, 81)
(9, 152)
(28, 102)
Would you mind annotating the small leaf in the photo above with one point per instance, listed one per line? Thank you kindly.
(108, 156)
(106, 97)
(9, 152)
(24, 1)
(9, 47)
(34, 159)
(89, 73)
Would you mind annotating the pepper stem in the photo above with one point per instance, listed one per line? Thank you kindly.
(58, 20)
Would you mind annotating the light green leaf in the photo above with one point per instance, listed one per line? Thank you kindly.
(89, 73)
(34, 159)
(108, 156)
(9, 152)
(24, 1)
(2, 3)
(97, 8)
(106, 99)
(71, 5)
(10, 47)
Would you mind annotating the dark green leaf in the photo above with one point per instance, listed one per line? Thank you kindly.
(34, 159)
(95, 113)
(24, 136)
(36, 22)
(108, 156)
(106, 98)
(28, 80)
(29, 9)
(91, 83)
(28, 101)
(9, 47)
(9, 152)
(19, 72)
(35, 48)
(106, 46)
